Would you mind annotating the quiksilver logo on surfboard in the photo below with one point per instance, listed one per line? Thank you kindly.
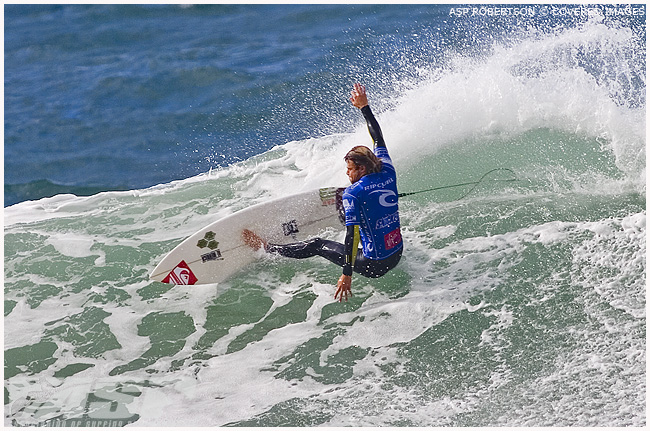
(182, 274)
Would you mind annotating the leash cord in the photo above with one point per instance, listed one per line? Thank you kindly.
(474, 183)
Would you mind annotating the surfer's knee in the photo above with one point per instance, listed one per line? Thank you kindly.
(313, 244)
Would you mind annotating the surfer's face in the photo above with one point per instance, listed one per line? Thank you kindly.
(355, 172)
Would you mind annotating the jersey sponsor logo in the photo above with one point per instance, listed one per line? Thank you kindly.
(387, 220)
(369, 247)
(388, 198)
(350, 213)
(181, 275)
(392, 239)
(379, 185)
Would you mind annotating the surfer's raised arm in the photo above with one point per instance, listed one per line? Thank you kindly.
(359, 99)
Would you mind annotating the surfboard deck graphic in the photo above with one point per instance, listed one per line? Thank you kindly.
(216, 252)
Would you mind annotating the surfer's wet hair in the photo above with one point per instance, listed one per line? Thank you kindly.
(363, 156)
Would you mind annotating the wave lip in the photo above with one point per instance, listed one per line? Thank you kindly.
(34, 190)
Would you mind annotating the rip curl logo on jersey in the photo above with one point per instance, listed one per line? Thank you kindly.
(181, 275)
(388, 198)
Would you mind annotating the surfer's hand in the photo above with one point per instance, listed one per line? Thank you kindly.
(343, 288)
(358, 96)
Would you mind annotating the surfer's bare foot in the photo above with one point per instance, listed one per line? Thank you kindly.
(253, 240)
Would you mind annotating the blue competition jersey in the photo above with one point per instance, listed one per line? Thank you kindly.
(371, 203)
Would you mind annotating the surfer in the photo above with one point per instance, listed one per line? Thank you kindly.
(371, 213)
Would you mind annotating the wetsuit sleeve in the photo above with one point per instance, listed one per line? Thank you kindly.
(373, 127)
(351, 244)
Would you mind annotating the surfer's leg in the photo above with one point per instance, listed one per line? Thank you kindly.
(330, 250)
(334, 252)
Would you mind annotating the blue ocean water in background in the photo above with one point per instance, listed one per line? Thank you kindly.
(106, 97)
(127, 128)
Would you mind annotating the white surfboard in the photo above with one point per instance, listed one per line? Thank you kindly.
(217, 251)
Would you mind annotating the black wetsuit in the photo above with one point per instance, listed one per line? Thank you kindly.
(377, 222)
